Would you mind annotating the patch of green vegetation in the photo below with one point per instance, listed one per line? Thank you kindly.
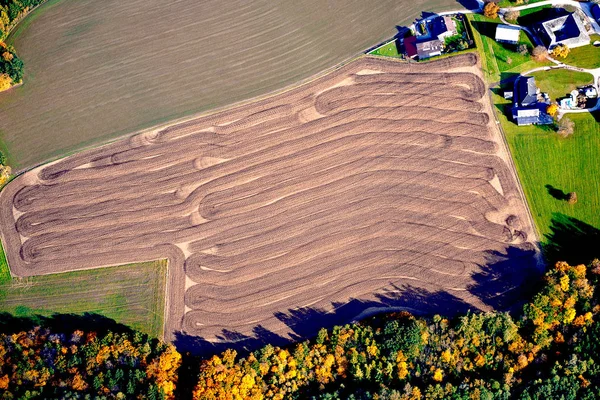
(512, 3)
(132, 294)
(559, 82)
(585, 56)
(4, 270)
(387, 50)
(500, 61)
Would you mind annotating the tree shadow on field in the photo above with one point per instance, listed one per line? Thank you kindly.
(556, 193)
(61, 323)
(571, 240)
(508, 278)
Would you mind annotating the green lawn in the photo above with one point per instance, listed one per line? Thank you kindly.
(509, 3)
(131, 294)
(389, 50)
(547, 162)
(585, 56)
(559, 82)
(4, 271)
(500, 61)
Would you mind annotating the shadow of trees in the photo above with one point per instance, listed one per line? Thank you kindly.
(61, 323)
(571, 240)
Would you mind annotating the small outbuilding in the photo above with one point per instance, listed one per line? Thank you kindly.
(507, 34)
(430, 48)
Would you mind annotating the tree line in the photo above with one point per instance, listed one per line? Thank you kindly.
(11, 66)
(43, 364)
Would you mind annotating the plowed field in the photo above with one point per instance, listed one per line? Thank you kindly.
(377, 176)
(95, 70)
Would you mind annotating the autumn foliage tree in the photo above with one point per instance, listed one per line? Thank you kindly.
(539, 53)
(491, 10)
(560, 50)
(512, 15)
(552, 109)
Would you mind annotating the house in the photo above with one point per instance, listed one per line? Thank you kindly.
(429, 49)
(529, 105)
(442, 27)
(566, 29)
(410, 46)
(507, 34)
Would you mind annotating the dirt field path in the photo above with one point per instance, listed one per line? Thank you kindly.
(375, 178)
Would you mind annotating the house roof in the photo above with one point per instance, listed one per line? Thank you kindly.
(507, 33)
(450, 24)
(430, 46)
(525, 91)
(567, 29)
(410, 46)
(438, 26)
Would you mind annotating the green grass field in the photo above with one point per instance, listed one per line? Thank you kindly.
(132, 294)
(388, 50)
(559, 82)
(500, 61)
(585, 56)
(548, 164)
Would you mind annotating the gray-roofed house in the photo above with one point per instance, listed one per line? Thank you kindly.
(527, 108)
(567, 29)
(429, 48)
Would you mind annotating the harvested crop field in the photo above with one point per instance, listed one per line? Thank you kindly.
(95, 70)
(378, 181)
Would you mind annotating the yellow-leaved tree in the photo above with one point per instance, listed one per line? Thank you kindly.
(5, 82)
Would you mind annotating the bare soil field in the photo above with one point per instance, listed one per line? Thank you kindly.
(376, 180)
(95, 70)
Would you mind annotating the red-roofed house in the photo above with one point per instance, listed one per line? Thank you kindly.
(410, 46)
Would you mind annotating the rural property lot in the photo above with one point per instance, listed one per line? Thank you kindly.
(377, 178)
(99, 69)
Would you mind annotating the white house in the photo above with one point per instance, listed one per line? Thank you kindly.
(507, 34)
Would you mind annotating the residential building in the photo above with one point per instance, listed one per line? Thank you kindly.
(529, 105)
(567, 29)
(507, 34)
(429, 49)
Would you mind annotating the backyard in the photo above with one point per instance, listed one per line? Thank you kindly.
(559, 82)
(500, 61)
(132, 294)
(585, 56)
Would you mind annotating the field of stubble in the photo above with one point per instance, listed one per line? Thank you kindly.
(95, 70)
(377, 179)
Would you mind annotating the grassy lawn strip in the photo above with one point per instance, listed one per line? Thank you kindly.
(388, 50)
(4, 270)
(131, 294)
(559, 82)
(585, 56)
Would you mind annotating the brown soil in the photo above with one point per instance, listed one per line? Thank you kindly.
(345, 188)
